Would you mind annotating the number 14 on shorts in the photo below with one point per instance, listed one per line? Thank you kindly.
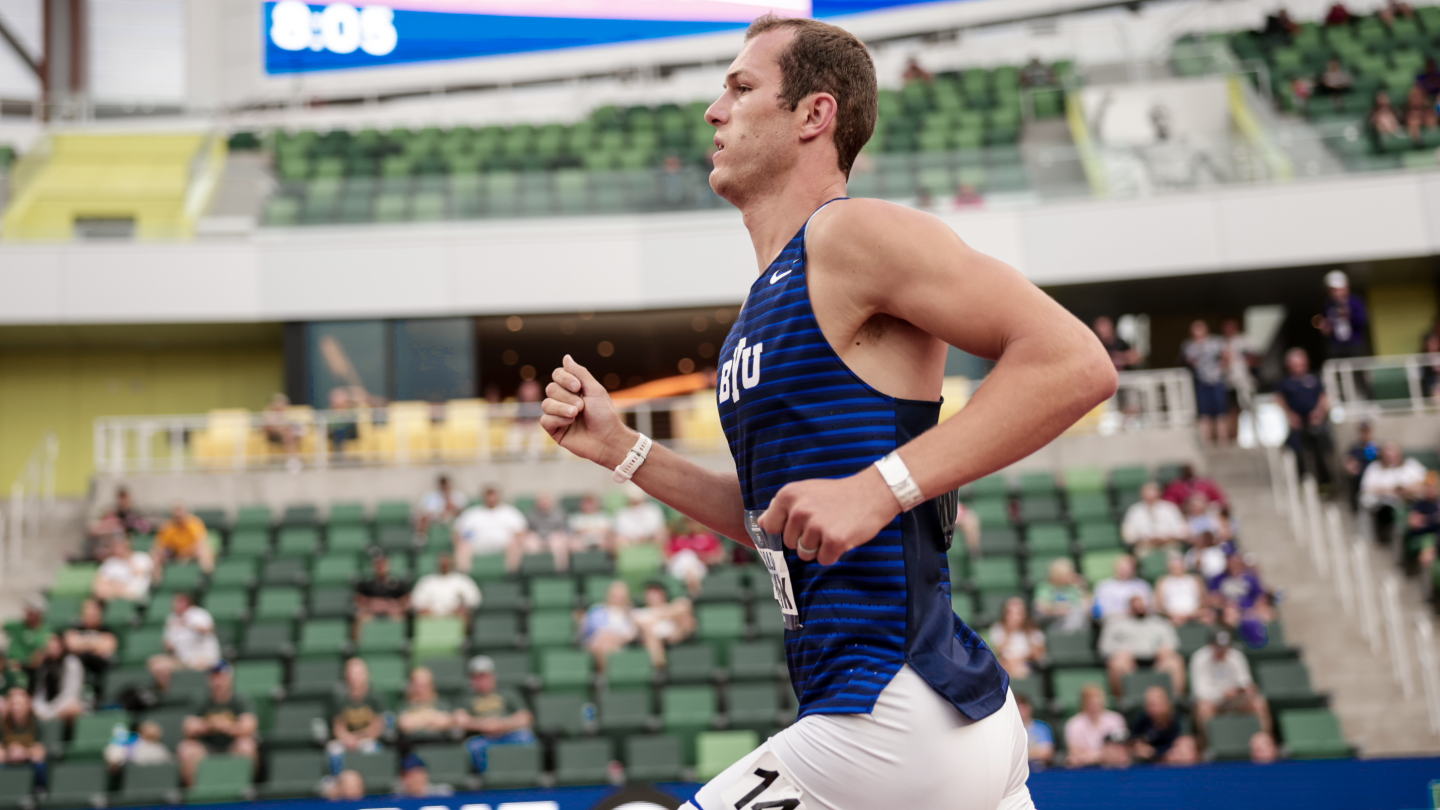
(763, 787)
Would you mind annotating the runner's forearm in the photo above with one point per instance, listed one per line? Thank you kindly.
(711, 498)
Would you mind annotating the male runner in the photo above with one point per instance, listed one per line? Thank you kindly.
(828, 393)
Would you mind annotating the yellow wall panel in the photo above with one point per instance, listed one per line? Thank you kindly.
(1400, 312)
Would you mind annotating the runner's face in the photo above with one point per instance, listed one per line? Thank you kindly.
(755, 136)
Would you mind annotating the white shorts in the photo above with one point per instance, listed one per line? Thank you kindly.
(914, 751)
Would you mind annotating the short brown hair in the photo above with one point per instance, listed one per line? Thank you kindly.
(825, 59)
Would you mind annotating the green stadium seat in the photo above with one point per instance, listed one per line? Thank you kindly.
(141, 643)
(298, 541)
(486, 569)
(299, 724)
(1153, 566)
(75, 579)
(754, 706)
(755, 660)
(560, 713)
(723, 585)
(551, 592)
(1126, 478)
(181, 577)
(1098, 565)
(720, 622)
(1136, 683)
(1084, 480)
(377, 768)
(395, 538)
(580, 762)
(222, 777)
(995, 574)
(1312, 734)
(511, 668)
(235, 572)
(496, 631)
(323, 637)
(1049, 539)
(392, 513)
(552, 628)
(447, 764)
(92, 732)
(1067, 684)
(16, 788)
(148, 784)
(654, 758)
(248, 542)
(718, 750)
(1090, 507)
(1193, 636)
(691, 663)
(381, 635)
(437, 636)
(538, 565)
(259, 679)
(591, 561)
(331, 602)
(566, 668)
(76, 784)
(1037, 483)
(228, 605)
(273, 639)
(991, 486)
(512, 766)
(1275, 647)
(769, 621)
(345, 514)
(688, 707)
(279, 603)
(255, 516)
(1286, 684)
(629, 667)
(625, 710)
(501, 595)
(1070, 649)
(1228, 735)
(348, 539)
(293, 774)
(992, 512)
(186, 687)
(999, 541)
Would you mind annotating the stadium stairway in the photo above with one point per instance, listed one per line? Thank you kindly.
(1373, 713)
(61, 533)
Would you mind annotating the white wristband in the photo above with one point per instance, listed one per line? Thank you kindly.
(633, 460)
(897, 476)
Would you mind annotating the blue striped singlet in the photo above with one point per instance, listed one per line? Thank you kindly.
(792, 410)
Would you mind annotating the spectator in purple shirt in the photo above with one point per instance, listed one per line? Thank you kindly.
(1344, 321)
(1240, 585)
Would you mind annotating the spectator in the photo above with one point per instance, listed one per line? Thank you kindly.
(381, 595)
(1393, 8)
(1140, 638)
(1384, 123)
(446, 592)
(222, 723)
(1096, 735)
(1039, 737)
(641, 522)
(609, 625)
(424, 714)
(123, 518)
(1179, 594)
(1338, 15)
(415, 779)
(1220, 683)
(1204, 353)
(1157, 733)
(441, 505)
(1428, 79)
(490, 527)
(663, 622)
(1345, 320)
(493, 717)
(1387, 486)
(967, 196)
(1307, 409)
(1188, 483)
(183, 538)
(1112, 596)
(689, 556)
(1062, 598)
(1240, 586)
(1203, 516)
(915, 73)
(1153, 522)
(1423, 525)
(966, 521)
(357, 716)
(1122, 354)
(1036, 74)
(19, 732)
(1208, 556)
(91, 640)
(125, 574)
(27, 642)
(550, 528)
(1335, 82)
(1263, 750)
(1280, 26)
(1240, 363)
(145, 747)
(58, 684)
(190, 641)
(280, 432)
(1419, 114)
(591, 527)
(1015, 639)
(1430, 371)
(524, 437)
(1361, 455)
(348, 785)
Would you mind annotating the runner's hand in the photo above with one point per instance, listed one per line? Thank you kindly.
(580, 417)
(831, 516)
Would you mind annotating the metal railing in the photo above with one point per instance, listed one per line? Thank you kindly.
(1359, 387)
(459, 431)
(31, 496)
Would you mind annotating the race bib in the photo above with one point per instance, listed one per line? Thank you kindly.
(763, 787)
(772, 554)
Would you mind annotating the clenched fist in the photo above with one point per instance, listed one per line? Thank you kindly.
(579, 415)
(824, 518)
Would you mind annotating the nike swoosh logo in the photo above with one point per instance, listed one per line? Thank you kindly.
(778, 275)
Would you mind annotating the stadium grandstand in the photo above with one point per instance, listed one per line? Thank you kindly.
(282, 283)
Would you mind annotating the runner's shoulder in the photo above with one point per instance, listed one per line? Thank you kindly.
(862, 232)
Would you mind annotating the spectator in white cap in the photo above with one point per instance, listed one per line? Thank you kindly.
(494, 717)
(446, 592)
(1344, 320)
(189, 638)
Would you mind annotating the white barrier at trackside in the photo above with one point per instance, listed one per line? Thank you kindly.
(1429, 668)
(1395, 629)
(1335, 538)
(1365, 595)
(1315, 527)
